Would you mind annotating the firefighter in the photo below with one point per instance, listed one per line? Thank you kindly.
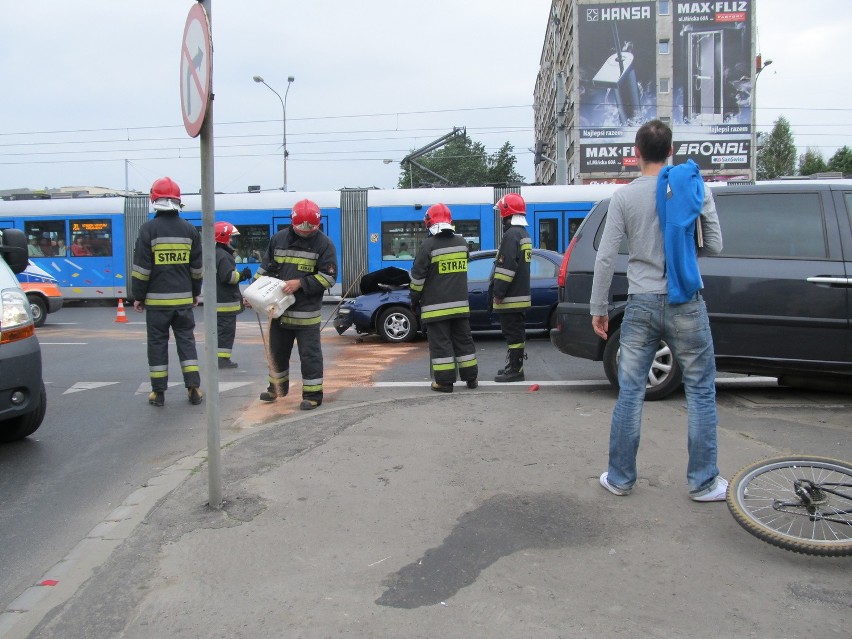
(229, 299)
(305, 259)
(439, 294)
(510, 284)
(166, 282)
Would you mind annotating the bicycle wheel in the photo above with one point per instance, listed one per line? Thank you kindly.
(763, 500)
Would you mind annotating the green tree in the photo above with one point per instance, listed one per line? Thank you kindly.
(462, 162)
(841, 161)
(811, 161)
(502, 167)
(778, 155)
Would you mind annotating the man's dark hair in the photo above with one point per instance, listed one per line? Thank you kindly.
(654, 141)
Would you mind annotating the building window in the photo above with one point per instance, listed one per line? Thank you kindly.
(664, 47)
(664, 85)
(664, 7)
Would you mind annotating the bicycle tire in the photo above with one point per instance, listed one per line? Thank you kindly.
(754, 490)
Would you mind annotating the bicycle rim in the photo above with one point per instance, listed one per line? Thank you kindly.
(756, 490)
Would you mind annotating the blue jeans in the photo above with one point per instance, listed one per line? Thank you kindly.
(649, 318)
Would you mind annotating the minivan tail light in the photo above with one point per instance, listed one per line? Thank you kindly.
(563, 269)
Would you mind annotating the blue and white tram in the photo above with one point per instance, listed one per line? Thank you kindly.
(87, 243)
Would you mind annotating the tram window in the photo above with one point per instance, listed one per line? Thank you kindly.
(400, 240)
(91, 238)
(548, 231)
(469, 229)
(46, 238)
(573, 225)
(251, 243)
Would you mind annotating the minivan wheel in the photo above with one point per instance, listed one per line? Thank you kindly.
(397, 324)
(664, 378)
(39, 310)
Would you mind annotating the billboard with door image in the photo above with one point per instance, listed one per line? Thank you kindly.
(712, 83)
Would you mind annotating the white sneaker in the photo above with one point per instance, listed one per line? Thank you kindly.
(615, 491)
(716, 494)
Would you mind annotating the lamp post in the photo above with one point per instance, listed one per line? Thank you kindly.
(758, 67)
(283, 101)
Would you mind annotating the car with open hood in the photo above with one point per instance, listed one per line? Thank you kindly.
(384, 306)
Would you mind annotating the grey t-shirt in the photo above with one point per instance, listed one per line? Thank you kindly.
(633, 213)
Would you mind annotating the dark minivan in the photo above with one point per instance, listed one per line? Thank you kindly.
(778, 295)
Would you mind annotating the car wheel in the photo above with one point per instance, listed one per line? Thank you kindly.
(664, 378)
(39, 309)
(397, 324)
(24, 425)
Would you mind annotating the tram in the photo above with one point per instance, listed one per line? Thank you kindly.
(87, 243)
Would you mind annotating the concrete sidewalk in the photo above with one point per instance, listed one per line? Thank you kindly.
(476, 514)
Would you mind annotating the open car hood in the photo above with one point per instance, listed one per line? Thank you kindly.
(385, 279)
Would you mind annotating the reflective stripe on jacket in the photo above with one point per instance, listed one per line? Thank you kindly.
(510, 278)
(439, 278)
(167, 269)
(311, 260)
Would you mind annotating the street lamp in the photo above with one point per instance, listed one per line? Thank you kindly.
(283, 101)
(759, 66)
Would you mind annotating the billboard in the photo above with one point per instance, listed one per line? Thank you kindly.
(712, 83)
(617, 80)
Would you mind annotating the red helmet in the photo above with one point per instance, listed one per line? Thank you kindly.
(511, 204)
(438, 218)
(223, 231)
(439, 213)
(306, 217)
(165, 195)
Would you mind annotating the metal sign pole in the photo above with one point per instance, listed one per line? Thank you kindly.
(208, 209)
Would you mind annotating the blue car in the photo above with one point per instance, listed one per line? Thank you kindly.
(384, 306)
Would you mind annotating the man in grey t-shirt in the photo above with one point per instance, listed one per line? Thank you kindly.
(650, 317)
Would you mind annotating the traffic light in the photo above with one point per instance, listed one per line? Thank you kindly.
(540, 148)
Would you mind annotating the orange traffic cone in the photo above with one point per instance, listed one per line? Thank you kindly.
(120, 316)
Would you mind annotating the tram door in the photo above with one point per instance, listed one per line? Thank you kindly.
(554, 229)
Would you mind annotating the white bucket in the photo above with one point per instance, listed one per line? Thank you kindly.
(266, 294)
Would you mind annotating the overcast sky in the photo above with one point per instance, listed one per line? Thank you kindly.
(89, 84)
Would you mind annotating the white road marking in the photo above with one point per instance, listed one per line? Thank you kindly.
(84, 386)
(145, 387)
(63, 343)
(582, 382)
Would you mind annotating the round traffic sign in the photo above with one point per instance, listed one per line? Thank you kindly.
(196, 69)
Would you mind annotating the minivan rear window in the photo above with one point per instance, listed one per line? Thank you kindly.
(772, 225)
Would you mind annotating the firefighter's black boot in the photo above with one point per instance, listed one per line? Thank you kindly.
(506, 365)
(514, 372)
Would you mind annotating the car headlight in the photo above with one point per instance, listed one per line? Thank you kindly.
(344, 311)
(16, 321)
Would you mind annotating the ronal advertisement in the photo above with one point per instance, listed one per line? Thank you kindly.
(712, 83)
(617, 82)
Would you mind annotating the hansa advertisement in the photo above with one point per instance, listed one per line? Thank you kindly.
(617, 80)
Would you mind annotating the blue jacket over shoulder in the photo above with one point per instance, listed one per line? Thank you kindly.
(680, 194)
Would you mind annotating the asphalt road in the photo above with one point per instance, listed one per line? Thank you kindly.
(101, 440)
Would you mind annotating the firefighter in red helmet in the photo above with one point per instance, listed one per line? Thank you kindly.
(510, 284)
(166, 281)
(439, 293)
(229, 299)
(305, 259)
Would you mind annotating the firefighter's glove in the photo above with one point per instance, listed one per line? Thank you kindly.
(415, 302)
(245, 274)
